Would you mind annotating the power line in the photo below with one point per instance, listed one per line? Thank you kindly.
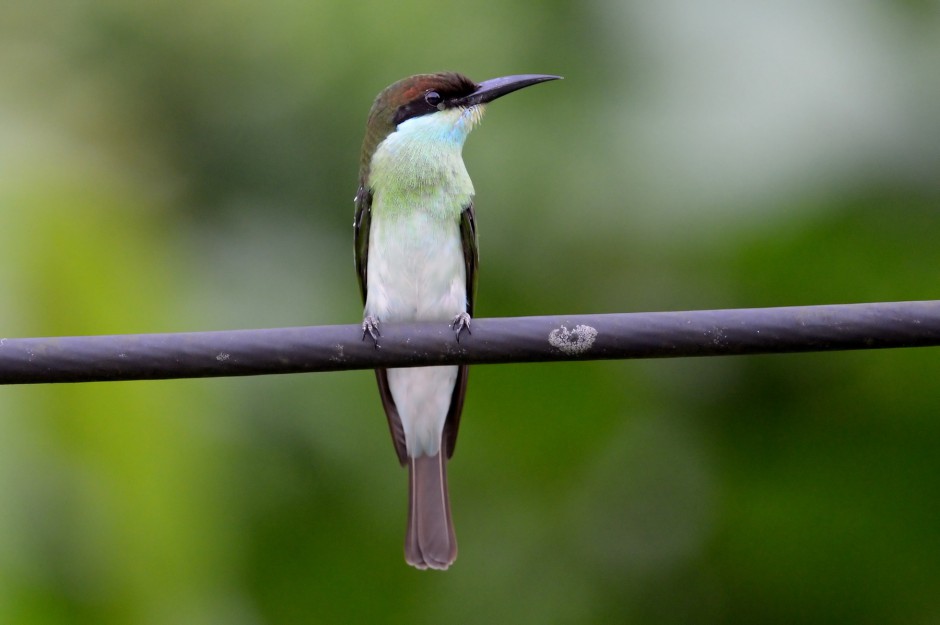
(495, 340)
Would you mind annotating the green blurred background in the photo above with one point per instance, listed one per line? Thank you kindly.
(183, 166)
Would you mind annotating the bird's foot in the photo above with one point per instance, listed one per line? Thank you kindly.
(370, 327)
(461, 322)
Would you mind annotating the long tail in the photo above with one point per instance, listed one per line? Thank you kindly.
(430, 540)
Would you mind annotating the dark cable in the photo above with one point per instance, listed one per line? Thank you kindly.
(498, 340)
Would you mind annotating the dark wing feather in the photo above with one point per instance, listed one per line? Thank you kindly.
(361, 223)
(391, 412)
(361, 231)
(471, 256)
(471, 252)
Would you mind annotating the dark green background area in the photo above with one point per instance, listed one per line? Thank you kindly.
(175, 166)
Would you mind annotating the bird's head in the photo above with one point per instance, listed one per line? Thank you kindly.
(456, 99)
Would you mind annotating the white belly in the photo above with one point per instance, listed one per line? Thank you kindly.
(416, 269)
(416, 272)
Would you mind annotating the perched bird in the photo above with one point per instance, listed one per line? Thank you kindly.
(416, 257)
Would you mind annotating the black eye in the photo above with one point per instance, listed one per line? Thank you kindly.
(433, 98)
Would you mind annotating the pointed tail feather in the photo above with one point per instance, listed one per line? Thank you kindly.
(430, 540)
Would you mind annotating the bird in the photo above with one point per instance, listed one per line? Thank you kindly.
(417, 257)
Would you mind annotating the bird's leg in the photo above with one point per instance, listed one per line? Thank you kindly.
(370, 326)
(461, 322)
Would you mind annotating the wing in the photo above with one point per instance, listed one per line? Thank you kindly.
(361, 224)
(471, 252)
(391, 413)
(471, 257)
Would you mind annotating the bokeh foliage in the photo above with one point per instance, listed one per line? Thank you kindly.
(170, 166)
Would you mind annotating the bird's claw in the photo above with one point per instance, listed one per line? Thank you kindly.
(370, 327)
(460, 323)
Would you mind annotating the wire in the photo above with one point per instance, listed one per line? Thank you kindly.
(496, 340)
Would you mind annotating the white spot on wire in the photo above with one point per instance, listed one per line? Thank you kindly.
(222, 357)
(572, 342)
(339, 353)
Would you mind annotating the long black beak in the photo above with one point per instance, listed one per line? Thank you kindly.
(489, 90)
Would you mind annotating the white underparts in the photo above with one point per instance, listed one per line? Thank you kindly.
(416, 269)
